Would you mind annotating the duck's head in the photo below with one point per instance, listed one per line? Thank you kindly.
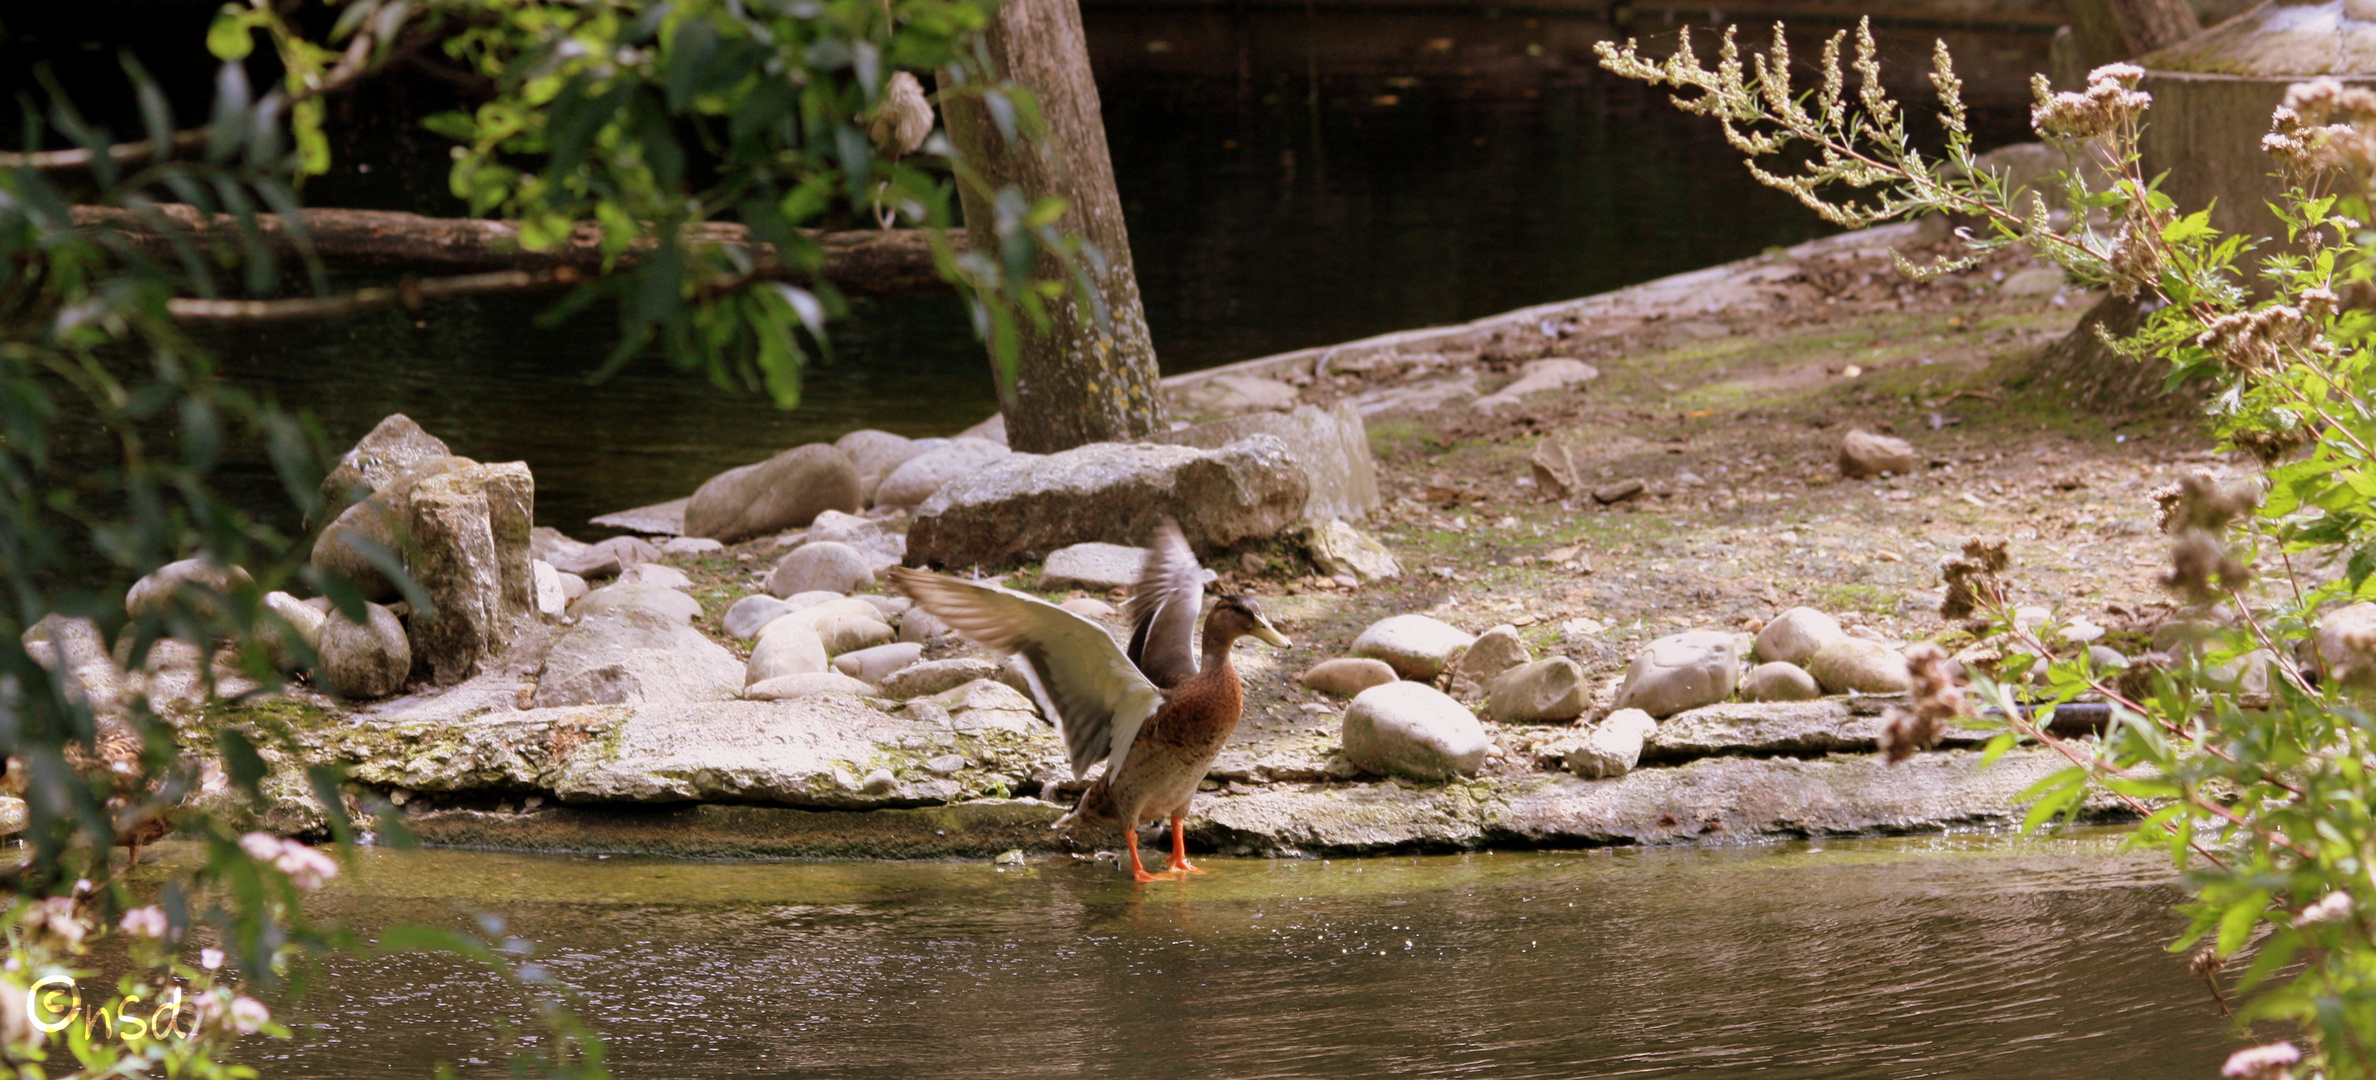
(1241, 616)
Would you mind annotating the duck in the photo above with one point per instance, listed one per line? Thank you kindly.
(1156, 711)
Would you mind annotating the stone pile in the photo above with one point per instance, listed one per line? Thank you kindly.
(460, 529)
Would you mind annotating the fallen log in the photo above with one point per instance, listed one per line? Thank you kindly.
(862, 262)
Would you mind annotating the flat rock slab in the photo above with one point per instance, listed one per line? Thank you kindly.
(658, 519)
(978, 829)
(1026, 505)
(1716, 798)
(1341, 819)
(1742, 798)
(814, 752)
(1836, 725)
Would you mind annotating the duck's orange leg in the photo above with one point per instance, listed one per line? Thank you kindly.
(1138, 870)
(1179, 860)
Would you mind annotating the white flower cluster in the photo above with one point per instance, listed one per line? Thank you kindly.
(306, 867)
(2323, 126)
(2110, 103)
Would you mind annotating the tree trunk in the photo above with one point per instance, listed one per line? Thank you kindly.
(2115, 30)
(864, 262)
(1077, 384)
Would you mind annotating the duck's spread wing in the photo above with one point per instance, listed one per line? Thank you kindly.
(1163, 608)
(1093, 693)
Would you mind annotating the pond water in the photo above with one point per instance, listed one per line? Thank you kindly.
(1964, 956)
(1290, 180)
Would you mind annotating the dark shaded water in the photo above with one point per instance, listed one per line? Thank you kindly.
(1291, 179)
(1965, 957)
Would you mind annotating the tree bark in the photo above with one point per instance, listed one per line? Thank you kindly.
(2115, 30)
(1077, 383)
(864, 262)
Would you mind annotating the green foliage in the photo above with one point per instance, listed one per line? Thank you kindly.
(693, 142)
(653, 120)
(2261, 799)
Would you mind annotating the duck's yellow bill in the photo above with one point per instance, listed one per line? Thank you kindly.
(1269, 635)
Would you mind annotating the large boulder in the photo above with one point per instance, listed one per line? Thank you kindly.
(395, 446)
(1864, 454)
(365, 659)
(470, 555)
(635, 658)
(1330, 445)
(783, 492)
(921, 477)
(935, 676)
(192, 579)
(1095, 566)
(303, 634)
(77, 650)
(1544, 691)
(1681, 671)
(1340, 550)
(1777, 681)
(1410, 729)
(1794, 635)
(1867, 667)
(1614, 747)
(2347, 642)
(1495, 651)
(1415, 646)
(785, 648)
(844, 625)
(634, 597)
(872, 664)
(824, 566)
(875, 454)
(1346, 676)
(1025, 506)
(752, 613)
(376, 524)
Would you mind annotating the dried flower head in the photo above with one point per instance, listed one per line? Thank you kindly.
(2199, 500)
(1938, 699)
(2205, 963)
(2274, 1061)
(2201, 567)
(2110, 102)
(2257, 340)
(2273, 445)
(2324, 125)
(1974, 580)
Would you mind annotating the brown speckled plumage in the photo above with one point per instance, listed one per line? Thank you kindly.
(1157, 717)
(1177, 745)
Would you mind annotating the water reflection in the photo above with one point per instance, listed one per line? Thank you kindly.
(1933, 957)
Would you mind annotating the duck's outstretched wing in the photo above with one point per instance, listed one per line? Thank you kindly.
(1093, 693)
(1163, 608)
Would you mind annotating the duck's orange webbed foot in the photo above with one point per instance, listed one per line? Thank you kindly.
(1179, 867)
(1138, 870)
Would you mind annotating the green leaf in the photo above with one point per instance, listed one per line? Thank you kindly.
(2190, 227)
(2236, 923)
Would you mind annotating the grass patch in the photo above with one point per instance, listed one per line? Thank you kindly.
(1870, 599)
